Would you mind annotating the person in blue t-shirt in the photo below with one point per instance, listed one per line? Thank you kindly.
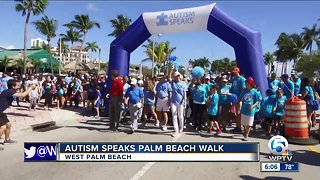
(134, 100)
(199, 101)
(308, 96)
(274, 82)
(213, 105)
(98, 101)
(279, 109)
(4, 81)
(163, 101)
(149, 102)
(268, 105)
(250, 101)
(287, 86)
(297, 82)
(225, 105)
(178, 103)
(238, 85)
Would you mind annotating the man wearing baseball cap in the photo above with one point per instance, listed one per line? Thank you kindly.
(134, 98)
(178, 103)
(238, 85)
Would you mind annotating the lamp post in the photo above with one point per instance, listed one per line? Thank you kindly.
(153, 39)
(99, 59)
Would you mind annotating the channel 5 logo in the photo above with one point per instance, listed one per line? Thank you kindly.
(278, 146)
(40, 152)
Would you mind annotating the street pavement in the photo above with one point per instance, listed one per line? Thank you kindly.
(74, 127)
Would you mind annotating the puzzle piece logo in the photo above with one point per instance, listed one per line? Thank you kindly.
(162, 20)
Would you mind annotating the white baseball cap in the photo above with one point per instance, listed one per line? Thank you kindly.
(133, 81)
(140, 82)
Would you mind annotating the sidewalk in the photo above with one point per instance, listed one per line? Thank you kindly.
(22, 119)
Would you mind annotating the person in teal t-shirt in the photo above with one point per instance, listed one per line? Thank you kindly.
(268, 105)
(213, 104)
(250, 101)
(199, 102)
(279, 109)
(225, 106)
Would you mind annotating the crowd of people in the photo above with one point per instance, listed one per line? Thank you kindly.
(214, 102)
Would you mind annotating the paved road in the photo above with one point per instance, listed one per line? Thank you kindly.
(91, 130)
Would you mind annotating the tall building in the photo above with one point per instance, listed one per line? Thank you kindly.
(38, 42)
(73, 55)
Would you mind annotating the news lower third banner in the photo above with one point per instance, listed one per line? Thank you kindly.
(142, 152)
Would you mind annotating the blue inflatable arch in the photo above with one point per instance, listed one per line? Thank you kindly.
(245, 41)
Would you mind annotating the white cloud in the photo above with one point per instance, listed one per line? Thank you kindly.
(91, 7)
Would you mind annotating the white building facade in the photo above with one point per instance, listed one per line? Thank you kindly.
(74, 54)
(38, 42)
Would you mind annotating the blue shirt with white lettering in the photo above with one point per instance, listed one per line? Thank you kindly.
(274, 85)
(238, 84)
(224, 90)
(178, 92)
(280, 104)
(163, 89)
(214, 103)
(249, 97)
(135, 95)
(268, 105)
(199, 94)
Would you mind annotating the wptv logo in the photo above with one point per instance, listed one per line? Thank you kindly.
(40, 152)
(278, 146)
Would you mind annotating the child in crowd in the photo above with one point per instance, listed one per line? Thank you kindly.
(213, 104)
(268, 105)
(33, 96)
(98, 101)
(250, 101)
(279, 110)
(60, 97)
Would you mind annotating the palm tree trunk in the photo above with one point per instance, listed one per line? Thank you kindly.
(268, 69)
(310, 50)
(25, 41)
(84, 38)
(51, 64)
(282, 69)
(285, 67)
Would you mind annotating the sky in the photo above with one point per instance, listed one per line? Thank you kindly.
(270, 18)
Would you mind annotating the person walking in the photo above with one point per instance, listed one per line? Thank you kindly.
(199, 101)
(163, 95)
(116, 99)
(134, 98)
(178, 103)
(250, 101)
(149, 102)
(287, 86)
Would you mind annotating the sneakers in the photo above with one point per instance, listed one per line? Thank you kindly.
(132, 131)
(181, 130)
(6, 142)
(175, 135)
(157, 124)
(218, 132)
(164, 128)
(245, 137)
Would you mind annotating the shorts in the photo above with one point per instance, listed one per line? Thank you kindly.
(149, 106)
(246, 120)
(99, 104)
(213, 118)
(3, 119)
(162, 105)
(269, 120)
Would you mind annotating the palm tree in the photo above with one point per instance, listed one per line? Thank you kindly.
(47, 27)
(5, 62)
(37, 65)
(310, 36)
(71, 36)
(268, 60)
(160, 52)
(19, 64)
(83, 24)
(65, 50)
(28, 7)
(93, 47)
(120, 24)
(202, 62)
